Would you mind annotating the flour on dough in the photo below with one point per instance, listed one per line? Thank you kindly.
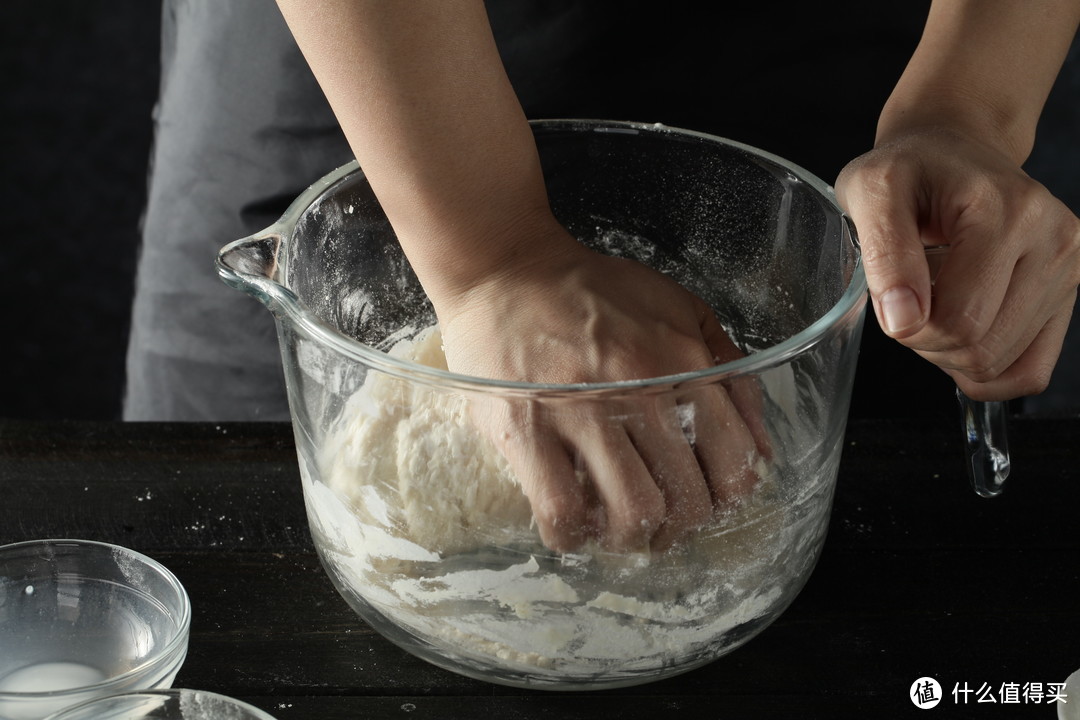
(418, 514)
(444, 485)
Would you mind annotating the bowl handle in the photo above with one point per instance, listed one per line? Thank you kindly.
(986, 443)
(984, 424)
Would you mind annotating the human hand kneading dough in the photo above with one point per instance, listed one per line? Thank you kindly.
(653, 467)
(422, 96)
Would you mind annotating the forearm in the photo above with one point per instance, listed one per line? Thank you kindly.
(421, 94)
(985, 68)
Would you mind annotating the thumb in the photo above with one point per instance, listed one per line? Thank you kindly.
(886, 219)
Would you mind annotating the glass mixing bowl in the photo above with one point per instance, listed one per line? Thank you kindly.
(418, 520)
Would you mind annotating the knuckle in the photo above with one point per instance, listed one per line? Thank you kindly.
(561, 520)
(1058, 229)
(882, 256)
(635, 519)
(985, 199)
(1038, 380)
(507, 424)
(967, 328)
(559, 510)
(978, 364)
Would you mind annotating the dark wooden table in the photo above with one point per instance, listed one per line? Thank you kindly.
(919, 577)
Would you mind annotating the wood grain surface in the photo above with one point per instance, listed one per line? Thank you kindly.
(919, 577)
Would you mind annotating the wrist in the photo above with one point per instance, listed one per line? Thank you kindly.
(949, 111)
(482, 256)
(983, 69)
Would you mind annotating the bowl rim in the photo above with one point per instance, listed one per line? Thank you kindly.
(282, 300)
(161, 693)
(177, 642)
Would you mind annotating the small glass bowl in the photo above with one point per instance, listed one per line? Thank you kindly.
(82, 619)
(163, 705)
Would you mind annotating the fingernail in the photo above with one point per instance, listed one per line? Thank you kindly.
(900, 309)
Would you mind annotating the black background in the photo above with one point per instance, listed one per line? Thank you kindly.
(80, 78)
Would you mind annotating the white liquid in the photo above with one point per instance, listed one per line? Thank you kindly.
(42, 678)
(50, 677)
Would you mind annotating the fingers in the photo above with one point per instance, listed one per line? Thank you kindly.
(725, 446)
(981, 334)
(659, 437)
(622, 478)
(883, 203)
(556, 490)
(634, 507)
(969, 294)
(584, 477)
(637, 477)
(664, 468)
(748, 399)
(1001, 302)
(1030, 373)
(744, 392)
(1001, 310)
